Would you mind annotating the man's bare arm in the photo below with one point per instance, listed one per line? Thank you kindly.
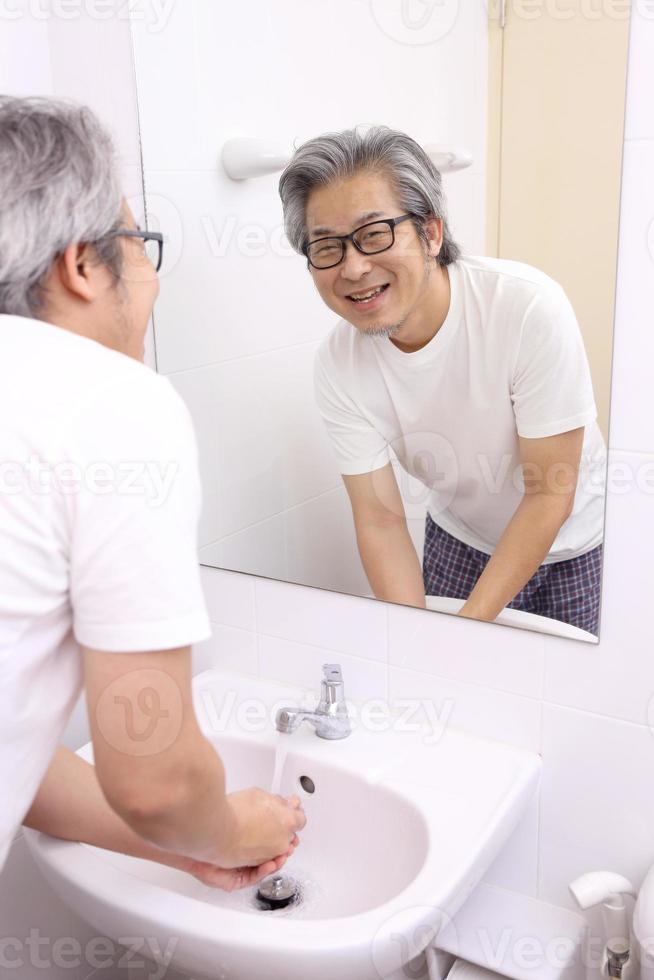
(385, 546)
(161, 775)
(550, 471)
(70, 804)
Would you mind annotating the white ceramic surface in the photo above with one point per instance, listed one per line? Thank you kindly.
(400, 829)
(515, 617)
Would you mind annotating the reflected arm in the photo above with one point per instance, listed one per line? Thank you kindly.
(550, 469)
(385, 546)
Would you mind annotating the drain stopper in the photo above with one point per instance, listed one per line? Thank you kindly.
(277, 891)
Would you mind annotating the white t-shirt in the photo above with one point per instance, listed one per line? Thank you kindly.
(508, 361)
(99, 506)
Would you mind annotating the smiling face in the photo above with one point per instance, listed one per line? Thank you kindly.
(396, 293)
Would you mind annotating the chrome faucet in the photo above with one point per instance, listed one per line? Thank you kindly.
(330, 719)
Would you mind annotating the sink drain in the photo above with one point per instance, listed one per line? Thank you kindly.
(277, 892)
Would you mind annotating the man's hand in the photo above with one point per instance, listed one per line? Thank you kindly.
(163, 777)
(265, 825)
(230, 879)
(70, 805)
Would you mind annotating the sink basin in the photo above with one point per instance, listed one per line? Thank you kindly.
(518, 619)
(401, 827)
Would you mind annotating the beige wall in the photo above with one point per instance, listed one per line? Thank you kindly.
(556, 99)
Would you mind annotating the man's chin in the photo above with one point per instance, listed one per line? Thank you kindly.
(379, 329)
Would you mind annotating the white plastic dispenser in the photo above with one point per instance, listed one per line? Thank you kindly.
(608, 889)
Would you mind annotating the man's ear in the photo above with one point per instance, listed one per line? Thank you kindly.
(75, 267)
(434, 230)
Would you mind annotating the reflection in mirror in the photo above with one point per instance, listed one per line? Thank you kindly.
(406, 395)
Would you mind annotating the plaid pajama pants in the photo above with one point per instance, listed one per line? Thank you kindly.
(565, 590)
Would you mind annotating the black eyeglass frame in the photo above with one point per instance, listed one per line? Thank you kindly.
(391, 222)
(147, 236)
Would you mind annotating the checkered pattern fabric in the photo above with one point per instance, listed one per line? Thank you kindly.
(565, 590)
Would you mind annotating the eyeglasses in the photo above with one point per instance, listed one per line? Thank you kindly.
(152, 243)
(374, 237)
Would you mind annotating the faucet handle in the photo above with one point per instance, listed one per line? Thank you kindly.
(332, 673)
(331, 688)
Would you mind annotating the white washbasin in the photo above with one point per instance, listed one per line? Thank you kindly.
(398, 834)
(517, 618)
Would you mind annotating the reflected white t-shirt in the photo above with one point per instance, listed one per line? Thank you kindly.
(507, 361)
(99, 507)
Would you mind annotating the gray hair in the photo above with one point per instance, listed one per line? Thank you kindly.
(58, 187)
(338, 156)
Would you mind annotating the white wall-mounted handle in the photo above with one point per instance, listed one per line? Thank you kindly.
(248, 156)
(448, 158)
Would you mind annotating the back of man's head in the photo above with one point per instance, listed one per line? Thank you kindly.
(59, 186)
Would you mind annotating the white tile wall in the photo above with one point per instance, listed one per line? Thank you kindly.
(639, 121)
(223, 267)
(276, 436)
(301, 664)
(20, 75)
(466, 651)
(91, 60)
(597, 799)
(340, 623)
(320, 544)
(229, 649)
(616, 678)
(481, 710)
(260, 549)
(632, 420)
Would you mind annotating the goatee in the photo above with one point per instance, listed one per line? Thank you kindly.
(379, 330)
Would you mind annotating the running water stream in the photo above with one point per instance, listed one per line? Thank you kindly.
(281, 751)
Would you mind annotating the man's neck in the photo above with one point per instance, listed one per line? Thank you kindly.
(423, 324)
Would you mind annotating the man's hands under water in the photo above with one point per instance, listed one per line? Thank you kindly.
(265, 837)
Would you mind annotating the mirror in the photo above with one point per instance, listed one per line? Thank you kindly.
(458, 321)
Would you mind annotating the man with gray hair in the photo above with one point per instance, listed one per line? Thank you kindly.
(472, 371)
(99, 505)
